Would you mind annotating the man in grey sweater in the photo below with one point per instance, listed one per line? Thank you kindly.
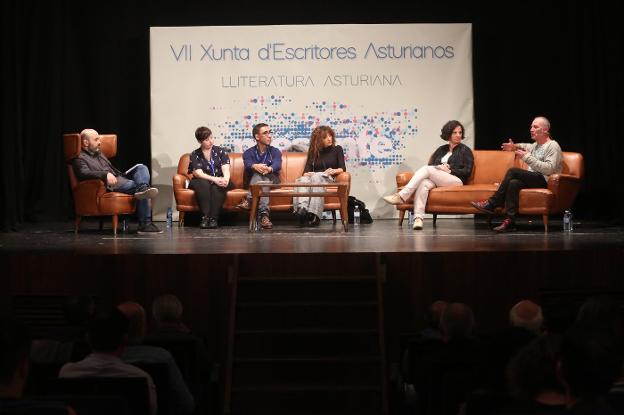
(543, 158)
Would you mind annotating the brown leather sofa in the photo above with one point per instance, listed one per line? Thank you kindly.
(489, 169)
(292, 168)
(90, 196)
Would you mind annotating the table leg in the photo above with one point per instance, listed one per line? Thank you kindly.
(255, 196)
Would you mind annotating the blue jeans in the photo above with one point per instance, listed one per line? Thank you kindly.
(139, 175)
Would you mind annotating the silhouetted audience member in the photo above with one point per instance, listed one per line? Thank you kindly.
(525, 324)
(167, 311)
(136, 352)
(108, 334)
(432, 319)
(443, 377)
(589, 366)
(601, 314)
(14, 366)
(532, 378)
(69, 343)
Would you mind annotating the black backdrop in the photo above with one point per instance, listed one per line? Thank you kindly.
(70, 65)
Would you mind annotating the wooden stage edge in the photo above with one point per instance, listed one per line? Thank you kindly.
(459, 260)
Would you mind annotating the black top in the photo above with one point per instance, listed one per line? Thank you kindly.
(218, 156)
(329, 158)
(461, 161)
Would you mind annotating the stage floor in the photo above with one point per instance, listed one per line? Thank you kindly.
(385, 236)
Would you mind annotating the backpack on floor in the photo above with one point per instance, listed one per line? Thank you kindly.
(365, 216)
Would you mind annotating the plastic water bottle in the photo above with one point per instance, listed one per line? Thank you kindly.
(567, 221)
(410, 218)
(169, 217)
(356, 215)
(124, 224)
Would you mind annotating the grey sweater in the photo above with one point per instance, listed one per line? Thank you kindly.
(545, 159)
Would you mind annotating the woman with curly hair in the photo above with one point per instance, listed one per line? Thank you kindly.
(325, 161)
(450, 165)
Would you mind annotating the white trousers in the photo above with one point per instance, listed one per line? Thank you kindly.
(311, 204)
(425, 179)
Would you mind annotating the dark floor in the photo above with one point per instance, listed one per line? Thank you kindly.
(450, 235)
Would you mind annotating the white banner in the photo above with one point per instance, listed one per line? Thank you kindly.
(385, 89)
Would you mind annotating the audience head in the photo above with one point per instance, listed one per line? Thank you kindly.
(14, 352)
(202, 133)
(533, 369)
(457, 322)
(590, 364)
(434, 313)
(78, 309)
(108, 331)
(447, 129)
(527, 315)
(167, 309)
(137, 323)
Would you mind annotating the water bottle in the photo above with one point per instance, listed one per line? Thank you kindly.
(169, 217)
(124, 224)
(410, 218)
(356, 215)
(567, 221)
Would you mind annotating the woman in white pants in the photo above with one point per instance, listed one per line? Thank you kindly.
(325, 161)
(450, 165)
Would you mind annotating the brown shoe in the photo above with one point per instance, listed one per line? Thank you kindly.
(244, 204)
(265, 222)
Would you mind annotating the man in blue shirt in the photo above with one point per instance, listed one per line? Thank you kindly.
(263, 163)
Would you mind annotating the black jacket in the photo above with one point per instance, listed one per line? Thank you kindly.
(461, 161)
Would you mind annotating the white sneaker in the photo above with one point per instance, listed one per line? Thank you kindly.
(393, 199)
(418, 224)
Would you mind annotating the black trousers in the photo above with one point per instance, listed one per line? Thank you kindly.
(210, 197)
(509, 190)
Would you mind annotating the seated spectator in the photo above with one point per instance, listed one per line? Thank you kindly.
(589, 366)
(108, 334)
(167, 311)
(68, 343)
(432, 319)
(427, 338)
(601, 314)
(525, 324)
(532, 378)
(14, 366)
(136, 352)
(443, 377)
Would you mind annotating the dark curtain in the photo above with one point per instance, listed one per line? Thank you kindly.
(72, 65)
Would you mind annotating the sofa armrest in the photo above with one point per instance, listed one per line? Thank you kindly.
(179, 181)
(403, 178)
(564, 187)
(89, 190)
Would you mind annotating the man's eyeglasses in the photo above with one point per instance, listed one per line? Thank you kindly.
(266, 132)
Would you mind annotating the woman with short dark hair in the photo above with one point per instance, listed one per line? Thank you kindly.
(210, 167)
(450, 165)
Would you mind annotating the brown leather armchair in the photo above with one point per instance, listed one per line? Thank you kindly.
(90, 196)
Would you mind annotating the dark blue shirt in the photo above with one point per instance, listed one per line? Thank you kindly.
(272, 157)
(219, 157)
